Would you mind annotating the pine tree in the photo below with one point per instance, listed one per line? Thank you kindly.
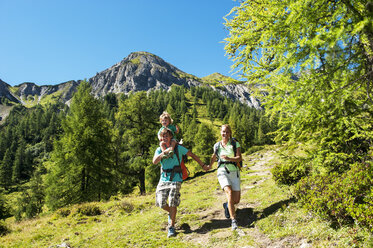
(19, 163)
(137, 124)
(316, 73)
(4, 208)
(31, 201)
(81, 168)
(6, 166)
(204, 141)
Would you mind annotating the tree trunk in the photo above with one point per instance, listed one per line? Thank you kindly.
(142, 182)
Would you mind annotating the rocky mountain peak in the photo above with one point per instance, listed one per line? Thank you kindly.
(139, 71)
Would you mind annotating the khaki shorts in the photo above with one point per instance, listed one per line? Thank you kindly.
(229, 179)
(170, 191)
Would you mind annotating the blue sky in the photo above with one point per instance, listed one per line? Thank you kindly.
(51, 41)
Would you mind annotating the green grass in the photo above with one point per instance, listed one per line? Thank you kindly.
(135, 221)
(51, 98)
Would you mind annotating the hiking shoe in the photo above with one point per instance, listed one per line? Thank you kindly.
(226, 210)
(171, 232)
(234, 225)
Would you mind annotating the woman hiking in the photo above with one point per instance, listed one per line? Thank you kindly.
(228, 154)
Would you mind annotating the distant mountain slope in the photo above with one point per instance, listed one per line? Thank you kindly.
(139, 71)
(6, 93)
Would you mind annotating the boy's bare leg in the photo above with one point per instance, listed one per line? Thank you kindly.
(172, 212)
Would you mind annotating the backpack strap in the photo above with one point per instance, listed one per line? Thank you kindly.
(176, 168)
(216, 149)
(176, 151)
(233, 142)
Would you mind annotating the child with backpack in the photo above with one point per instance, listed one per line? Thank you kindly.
(228, 154)
(167, 122)
(169, 185)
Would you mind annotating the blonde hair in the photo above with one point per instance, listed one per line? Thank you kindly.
(167, 116)
(229, 129)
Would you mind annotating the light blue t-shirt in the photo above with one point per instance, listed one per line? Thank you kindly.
(169, 163)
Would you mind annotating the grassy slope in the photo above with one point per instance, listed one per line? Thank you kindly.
(267, 218)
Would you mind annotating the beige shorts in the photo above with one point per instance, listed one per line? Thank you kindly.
(229, 179)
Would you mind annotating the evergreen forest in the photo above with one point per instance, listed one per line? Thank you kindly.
(56, 155)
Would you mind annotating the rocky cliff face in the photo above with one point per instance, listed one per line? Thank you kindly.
(62, 92)
(5, 92)
(139, 71)
(142, 71)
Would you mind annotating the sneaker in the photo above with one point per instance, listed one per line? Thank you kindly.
(226, 210)
(171, 232)
(234, 224)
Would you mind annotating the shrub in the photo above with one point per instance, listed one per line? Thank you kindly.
(343, 198)
(290, 172)
(3, 228)
(63, 212)
(89, 209)
(4, 208)
(253, 149)
(125, 206)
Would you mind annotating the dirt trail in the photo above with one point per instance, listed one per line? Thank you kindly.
(218, 227)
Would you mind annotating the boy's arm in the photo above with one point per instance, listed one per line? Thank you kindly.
(197, 159)
(158, 157)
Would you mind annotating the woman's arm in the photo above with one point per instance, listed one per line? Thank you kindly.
(212, 160)
(236, 158)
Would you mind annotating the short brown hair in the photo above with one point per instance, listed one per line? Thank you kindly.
(166, 130)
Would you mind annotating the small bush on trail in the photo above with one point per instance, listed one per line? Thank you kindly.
(290, 172)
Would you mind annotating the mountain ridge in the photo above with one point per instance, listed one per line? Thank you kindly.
(139, 71)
